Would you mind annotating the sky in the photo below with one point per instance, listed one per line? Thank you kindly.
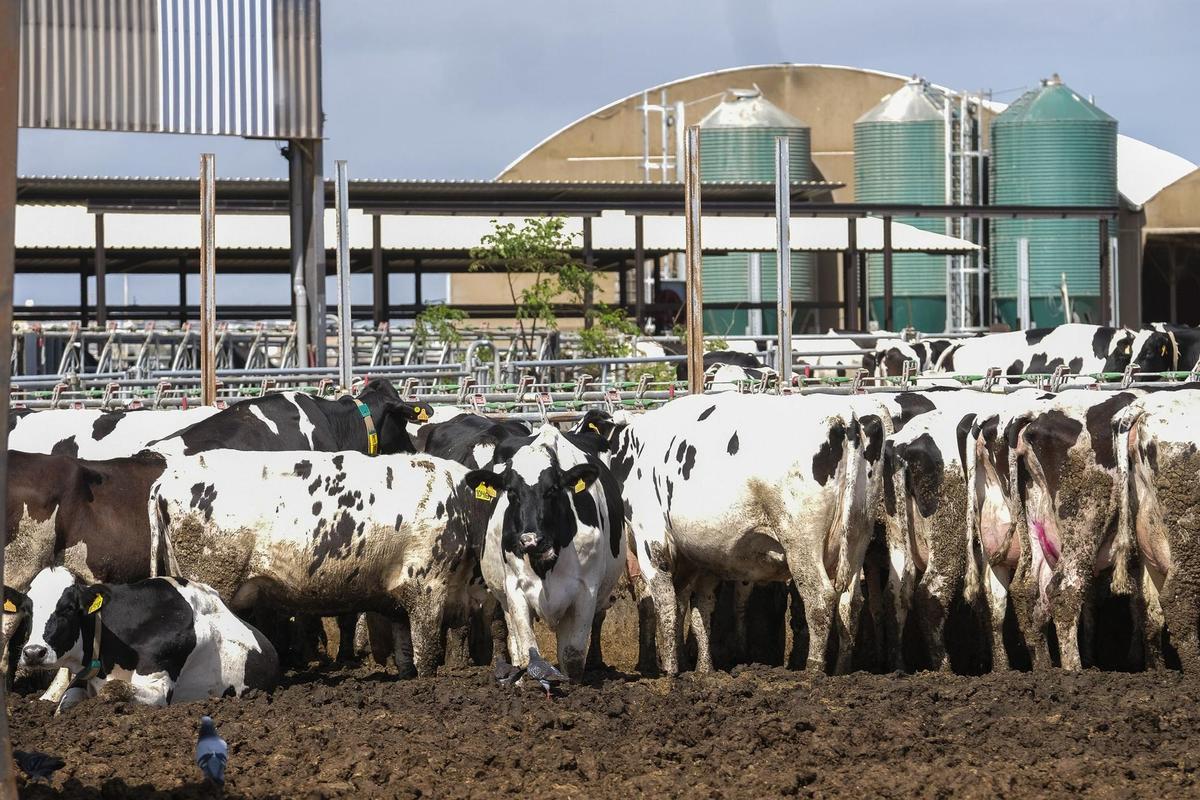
(457, 90)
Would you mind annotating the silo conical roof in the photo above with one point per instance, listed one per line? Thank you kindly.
(747, 108)
(1053, 101)
(913, 102)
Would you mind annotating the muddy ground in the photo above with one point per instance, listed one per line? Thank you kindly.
(759, 731)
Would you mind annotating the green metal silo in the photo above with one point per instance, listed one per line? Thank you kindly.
(900, 157)
(737, 143)
(1051, 147)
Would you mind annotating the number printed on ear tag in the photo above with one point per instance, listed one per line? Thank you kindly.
(485, 492)
(95, 606)
(580, 486)
(10, 607)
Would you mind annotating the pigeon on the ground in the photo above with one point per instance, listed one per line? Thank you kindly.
(212, 754)
(37, 766)
(543, 671)
(506, 674)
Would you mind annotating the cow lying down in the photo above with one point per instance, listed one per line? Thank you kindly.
(169, 639)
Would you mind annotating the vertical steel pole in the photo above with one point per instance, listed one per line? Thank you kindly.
(850, 262)
(639, 271)
(680, 112)
(208, 280)
(695, 275)
(888, 319)
(299, 290)
(783, 256)
(378, 276)
(589, 261)
(10, 48)
(1106, 315)
(1023, 304)
(345, 320)
(101, 274)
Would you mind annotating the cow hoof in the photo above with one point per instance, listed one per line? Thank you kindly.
(407, 672)
(72, 697)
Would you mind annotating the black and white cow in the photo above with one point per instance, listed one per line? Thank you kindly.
(470, 439)
(1166, 348)
(890, 355)
(750, 488)
(1159, 455)
(325, 534)
(297, 421)
(554, 549)
(96, 435)
(171, 640)
(1081, 349)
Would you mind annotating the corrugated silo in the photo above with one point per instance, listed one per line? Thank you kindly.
(900, 157)
(737, 143)
(1051, 147)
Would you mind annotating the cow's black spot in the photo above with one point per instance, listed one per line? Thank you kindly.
(670, 494)
(689, 461)
(105, 423)
(316, 484)
(1016, 368)
(873, 427)
(65, 447)
(911, 404)
(733, 445)
(825, 462)
(654, 480)
(628, 508)
(316, 508)
(371, 499)
(585, 508)
(964, 428)
(302, 469)
(390, 476)
(1050, 436)
(680, 451)
(1101, 341)
(706, 413)
(202, 499)
(399, 521)
(337, 462)
(889, 487)
(1099, 426)
(1035, 335)
(925, 467)
(334, 543)
(441, 509)
(1075, 365)
(346, 501)
(670, 447)
(1039, 365)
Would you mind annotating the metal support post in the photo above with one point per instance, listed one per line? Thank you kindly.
(208, 280)
(182, 268)
(378, 275)
(1106, 315)
(849, 276)
(639, 271)
(589, 261)
(1023, 305)
(298, 203)
(345, 320)
(101, 274)
(783, 256)
(695, 274)
(888, 315)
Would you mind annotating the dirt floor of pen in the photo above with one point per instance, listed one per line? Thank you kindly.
(758, 731)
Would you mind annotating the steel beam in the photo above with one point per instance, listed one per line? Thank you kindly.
(345, 319)
(695, 272)
(208, 280)
(783, 258)
(639, 271)
(379, 296)
(101, 275)
(1106, 317)
(888, 312)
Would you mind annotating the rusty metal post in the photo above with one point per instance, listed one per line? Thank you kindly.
(695, 276)
(888, 317)
(639, 271)
(783, 257)
(208, 280)
(345, 319)
(1106, 314)
(10, 48)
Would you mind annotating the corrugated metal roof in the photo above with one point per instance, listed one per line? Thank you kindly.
(613, 231)
(235, 67)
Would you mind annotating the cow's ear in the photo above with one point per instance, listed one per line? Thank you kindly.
(93, 598)
(601, 424)
(13, 600)
(412, 412)
(579, 478)
(484, 484)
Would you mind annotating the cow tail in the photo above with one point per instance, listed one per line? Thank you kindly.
(848, 516)
(156, 526)
(971, 581)
(1124, 437)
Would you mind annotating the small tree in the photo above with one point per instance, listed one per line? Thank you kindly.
(439, 322)
(542, 249)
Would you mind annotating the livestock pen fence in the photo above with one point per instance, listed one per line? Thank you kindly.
(486, 371)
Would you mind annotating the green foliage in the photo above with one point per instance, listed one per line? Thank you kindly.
(606, 338)
(439, 322)
(712, 345)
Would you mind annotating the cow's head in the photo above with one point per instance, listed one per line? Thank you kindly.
(1154, 351)
(60, 607)
(391, 416)
(1119, 352)
(17, 612)
(539, 502)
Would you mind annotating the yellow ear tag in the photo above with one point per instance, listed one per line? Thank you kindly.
(422, 415)
(592, 425)
(95, 606)
(580, 486)
(9, 607)
(1162, 351)
(485, 492)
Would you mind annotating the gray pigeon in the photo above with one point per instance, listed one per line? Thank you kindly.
(212, 754)
(38, 766)
(543, 671)
(506, 674)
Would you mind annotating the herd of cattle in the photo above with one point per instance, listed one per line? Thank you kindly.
(420, 518)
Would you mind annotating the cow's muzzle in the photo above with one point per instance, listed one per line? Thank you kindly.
(33, 655)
